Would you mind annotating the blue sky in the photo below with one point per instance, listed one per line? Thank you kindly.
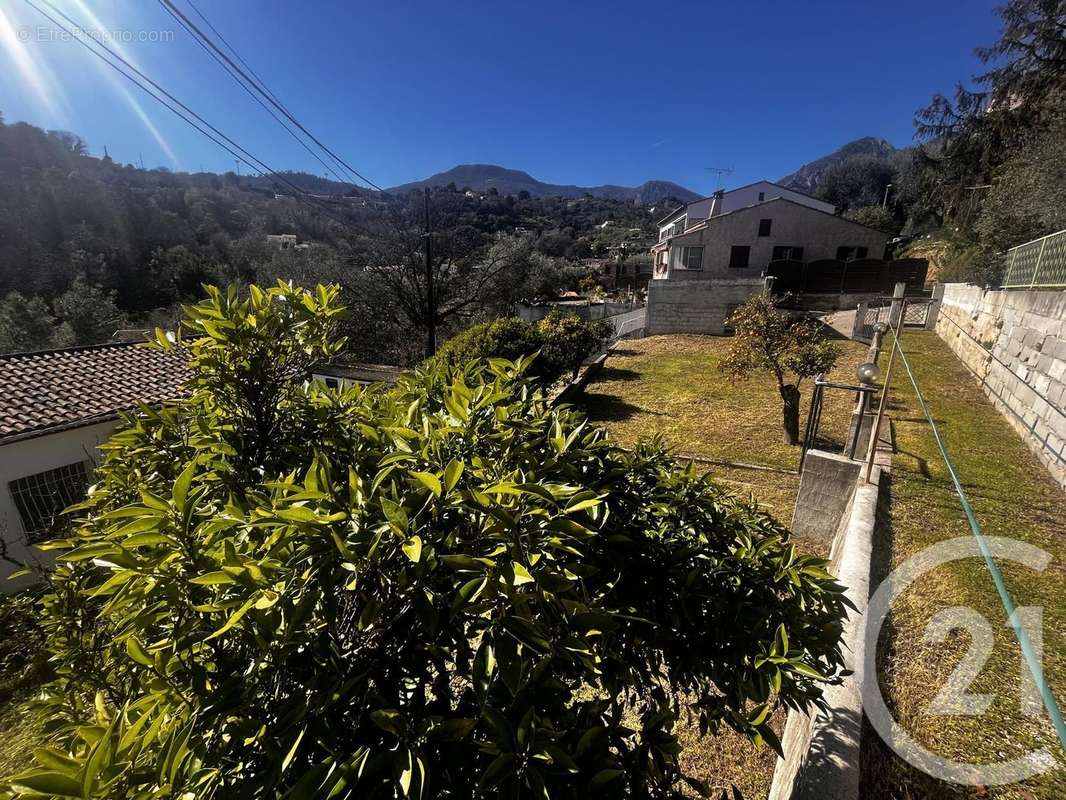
(575, 92)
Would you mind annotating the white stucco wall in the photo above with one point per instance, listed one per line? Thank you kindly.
(749, 195)
(28, 457)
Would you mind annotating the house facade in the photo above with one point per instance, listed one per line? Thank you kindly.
(681, 219)
(741, 243)
(59, 406)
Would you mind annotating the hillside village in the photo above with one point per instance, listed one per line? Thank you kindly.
(486, 486)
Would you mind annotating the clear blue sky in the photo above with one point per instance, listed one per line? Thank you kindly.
(574, 92)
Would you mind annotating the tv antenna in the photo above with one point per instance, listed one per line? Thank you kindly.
(719, 171)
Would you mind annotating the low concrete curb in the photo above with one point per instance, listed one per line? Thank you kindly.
(822, 750)
(589, 370)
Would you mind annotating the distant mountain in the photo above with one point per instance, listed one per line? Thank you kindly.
(807, 178)
(482, 177)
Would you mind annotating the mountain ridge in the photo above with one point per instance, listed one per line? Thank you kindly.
(482, 177)
(808, 177)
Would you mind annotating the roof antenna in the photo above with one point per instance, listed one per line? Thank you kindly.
(719, 171)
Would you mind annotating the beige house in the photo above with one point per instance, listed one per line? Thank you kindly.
(741, 243)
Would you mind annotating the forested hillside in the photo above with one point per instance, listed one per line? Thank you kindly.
(989, 169)
(88, 245)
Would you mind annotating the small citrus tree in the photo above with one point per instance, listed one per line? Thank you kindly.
(766, 340)
(448, 589)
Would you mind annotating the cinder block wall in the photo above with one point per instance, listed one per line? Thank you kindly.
(1026, 330)
(702, 306)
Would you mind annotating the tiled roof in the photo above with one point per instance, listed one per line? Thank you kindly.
(56, 389)
(358, 372)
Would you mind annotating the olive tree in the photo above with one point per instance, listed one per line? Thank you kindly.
(767, 340)
(277, 589)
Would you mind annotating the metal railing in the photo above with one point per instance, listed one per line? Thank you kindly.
(1039, 263)
(629, 323)
(863, 396)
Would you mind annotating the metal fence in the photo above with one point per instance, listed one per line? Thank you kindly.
(859, 276)
(629, 325)
(1039, 263)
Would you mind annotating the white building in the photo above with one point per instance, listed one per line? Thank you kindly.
(57, 408)
(681, 219)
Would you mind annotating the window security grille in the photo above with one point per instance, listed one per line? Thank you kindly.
(41, 498)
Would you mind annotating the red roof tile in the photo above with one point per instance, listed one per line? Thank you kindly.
(54, 389)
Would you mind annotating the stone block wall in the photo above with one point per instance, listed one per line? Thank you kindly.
(1026, 331)
(680, 306)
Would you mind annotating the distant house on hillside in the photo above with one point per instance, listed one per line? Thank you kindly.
(282, 241)
(742, 242)
(681, 219)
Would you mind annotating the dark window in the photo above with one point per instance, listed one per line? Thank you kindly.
(41, 498)
(764, 226)
(762, 196)
(332, 383)
(849, 253)
(738, 256)
(784, 251)
(692, 257)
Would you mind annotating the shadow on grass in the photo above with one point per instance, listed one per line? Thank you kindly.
(829, 332)
(617, 374)
(611, 408)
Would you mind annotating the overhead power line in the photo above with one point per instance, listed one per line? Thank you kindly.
(196, 121)
(237, 55)
(195, 30)
(256, 98)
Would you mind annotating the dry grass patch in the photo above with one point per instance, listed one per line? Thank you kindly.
(672, 385)
(1012, 496)
(20, 732)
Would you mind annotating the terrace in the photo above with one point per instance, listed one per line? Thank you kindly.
(672, 386)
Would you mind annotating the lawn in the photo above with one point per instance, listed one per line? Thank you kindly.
(1013, 496)
(672, 385)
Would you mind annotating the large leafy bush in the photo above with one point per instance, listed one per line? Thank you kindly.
(280, 590)
(560, 341)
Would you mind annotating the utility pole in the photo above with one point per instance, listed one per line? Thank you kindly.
(431, 301)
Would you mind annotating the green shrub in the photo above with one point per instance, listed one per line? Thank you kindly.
(23, 660)
(508, 337)
(448, 589)
(561, 341)
(567, 340)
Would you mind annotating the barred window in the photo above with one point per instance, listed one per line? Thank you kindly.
(41, 498)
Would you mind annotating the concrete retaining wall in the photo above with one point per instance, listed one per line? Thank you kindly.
(697, 306)
(822, 750)
(826, 487)
(1026, 331)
